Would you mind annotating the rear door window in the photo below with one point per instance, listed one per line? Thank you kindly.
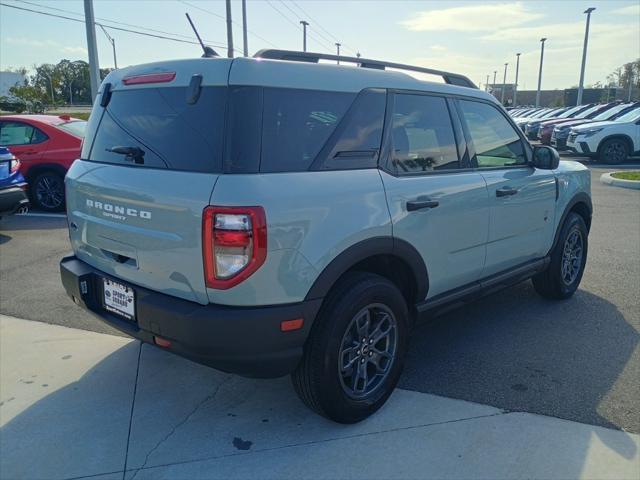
(422, 135)
(296, 124)
(18, 133)
(171, 132)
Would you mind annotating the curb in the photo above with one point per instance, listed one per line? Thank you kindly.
(618, 182)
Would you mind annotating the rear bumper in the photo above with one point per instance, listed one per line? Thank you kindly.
(11, 199)
(241, 340)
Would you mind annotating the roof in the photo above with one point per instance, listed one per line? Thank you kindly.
(286, 74)
(48, 119)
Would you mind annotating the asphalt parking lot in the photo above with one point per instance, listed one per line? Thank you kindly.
(577, 360)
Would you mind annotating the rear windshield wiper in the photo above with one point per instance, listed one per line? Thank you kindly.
(133, 154)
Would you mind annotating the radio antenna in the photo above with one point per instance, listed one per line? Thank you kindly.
(208, 51)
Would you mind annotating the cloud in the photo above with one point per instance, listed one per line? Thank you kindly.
(472, 18)
(633, 10)
(558, 33)
(76, 50)
(50, 44)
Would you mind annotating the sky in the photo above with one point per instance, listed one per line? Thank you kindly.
(474, 38)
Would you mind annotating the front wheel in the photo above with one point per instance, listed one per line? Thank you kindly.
(563, 274)
(355, 354)
(47, 192)
(613, 151)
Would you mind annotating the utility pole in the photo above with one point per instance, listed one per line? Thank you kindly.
(542, 40)
(584, 55)
(112, 41)
(304, 24)
(94, 67)
(515, 86)
(229, 31)
(486, 85)
(245, 44)
(338, 49)
(504, 83)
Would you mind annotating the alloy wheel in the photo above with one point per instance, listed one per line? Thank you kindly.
(367, 350)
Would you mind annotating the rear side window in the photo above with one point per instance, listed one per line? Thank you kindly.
(422, 135)
(296, 124)
(75, 128)
(18, 133)
(171, 132)
(496, 142)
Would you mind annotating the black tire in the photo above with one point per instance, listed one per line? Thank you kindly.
(557, 282)
(319, 380)
(613, 151)
(47, 191)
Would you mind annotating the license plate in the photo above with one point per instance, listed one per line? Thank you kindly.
(119, 299)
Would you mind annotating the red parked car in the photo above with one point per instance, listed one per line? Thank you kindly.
(46, 145)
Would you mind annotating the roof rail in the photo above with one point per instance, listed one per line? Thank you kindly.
(295, 56)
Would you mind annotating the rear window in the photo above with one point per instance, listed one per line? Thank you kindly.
(161, 123)
(296, 124)
(76, 128)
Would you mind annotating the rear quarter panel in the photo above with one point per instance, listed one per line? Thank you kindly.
(311, 218)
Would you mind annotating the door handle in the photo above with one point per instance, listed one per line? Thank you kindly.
(414, 205)
(505, 192)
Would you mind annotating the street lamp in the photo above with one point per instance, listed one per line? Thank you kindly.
(48, 77)
(504, 83)
(338, 50)
(584, 55)
(493, 87)
(515, 86)
(112, 41)
(542, 40)
(486, 85)
(304, 24)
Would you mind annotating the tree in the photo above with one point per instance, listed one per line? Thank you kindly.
(31, 97)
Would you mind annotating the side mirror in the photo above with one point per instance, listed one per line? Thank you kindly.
(545, 158)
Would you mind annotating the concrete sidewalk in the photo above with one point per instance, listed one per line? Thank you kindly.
(75, 404)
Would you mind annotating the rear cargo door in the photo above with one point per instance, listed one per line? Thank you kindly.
(150, 161)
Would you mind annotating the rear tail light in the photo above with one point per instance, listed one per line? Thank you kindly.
(234, 243)
(15, 165)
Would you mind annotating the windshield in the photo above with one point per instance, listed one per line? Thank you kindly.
(550, 114)
(631, 116)
(607, 114)
(75, 128)
(588, 111)
(571, 111)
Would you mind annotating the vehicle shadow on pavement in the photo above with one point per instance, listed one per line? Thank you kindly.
(520, 352)
(189, 421)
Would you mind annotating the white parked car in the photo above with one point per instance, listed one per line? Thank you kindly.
(611, 141)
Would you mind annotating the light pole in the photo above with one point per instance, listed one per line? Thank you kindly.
(493, 87)
(94, 66)
(338, 50)
(630, 82)
(584, 55)
(542, 40)
(245, 43)
(486, 85)
(304, 24)
(515, 86)
(229, 31)
(504, 83)
(112, 41)
(53, 100)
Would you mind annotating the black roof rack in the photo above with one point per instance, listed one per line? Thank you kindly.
(295, 56)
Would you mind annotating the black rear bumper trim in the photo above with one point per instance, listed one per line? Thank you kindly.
(242, 340)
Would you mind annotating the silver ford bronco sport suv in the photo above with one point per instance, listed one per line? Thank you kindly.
(282, 215)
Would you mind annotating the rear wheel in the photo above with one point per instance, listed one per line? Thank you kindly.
(354, 356)
(613, 151)
(561, 278)
(47, 192)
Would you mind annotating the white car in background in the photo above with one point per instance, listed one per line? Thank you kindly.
(611, 142)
